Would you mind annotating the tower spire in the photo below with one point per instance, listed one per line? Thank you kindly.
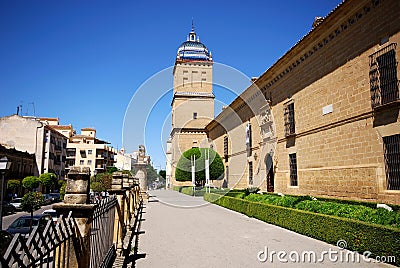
(192, 25)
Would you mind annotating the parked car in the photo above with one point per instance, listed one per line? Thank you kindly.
(52, 213)
(22, 224)
(46, 199)
(16, 202)
(55, 197)
(5, 239)
(8, 208)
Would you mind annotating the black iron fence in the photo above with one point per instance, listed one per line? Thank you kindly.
(48, 247)
(59, 245)
(102, 248)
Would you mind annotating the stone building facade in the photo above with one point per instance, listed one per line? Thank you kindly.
(324, 119)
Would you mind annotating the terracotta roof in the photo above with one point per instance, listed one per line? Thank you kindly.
(54, 130)
(88, 128)
(49, 118)
(62, 127)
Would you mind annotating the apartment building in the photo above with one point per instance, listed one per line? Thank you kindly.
(36, 136)
(86, 150)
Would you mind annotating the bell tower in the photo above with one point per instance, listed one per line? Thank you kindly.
(193, 99)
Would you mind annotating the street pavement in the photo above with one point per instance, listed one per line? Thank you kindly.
(185, 231)
(7, 220)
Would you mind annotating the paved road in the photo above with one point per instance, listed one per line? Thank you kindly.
(7, 220)
(183, 231)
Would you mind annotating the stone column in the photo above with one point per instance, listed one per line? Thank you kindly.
(77, 200)
(141, 175)
(141, 171)
(119, 225)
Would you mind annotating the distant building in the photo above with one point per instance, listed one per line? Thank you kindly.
(85, 150)
(124, 161)
(36, 136)
(22, 163)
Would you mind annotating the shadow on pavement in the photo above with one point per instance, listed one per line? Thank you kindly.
(131, 252)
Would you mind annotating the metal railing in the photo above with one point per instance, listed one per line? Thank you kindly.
(62, 245)
(48, 247)
(102, 247)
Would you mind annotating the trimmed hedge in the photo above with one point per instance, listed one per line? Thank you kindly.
(360, 236)
(355, 211)
(199, 191)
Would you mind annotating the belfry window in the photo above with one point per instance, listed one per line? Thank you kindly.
(194, 115)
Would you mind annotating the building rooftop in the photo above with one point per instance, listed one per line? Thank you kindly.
(192, 49)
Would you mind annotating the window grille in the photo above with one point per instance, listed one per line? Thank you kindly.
(293, 169)
(289, 119)
(226, 148)
(251, 173)
(392, 161)
(384, 85)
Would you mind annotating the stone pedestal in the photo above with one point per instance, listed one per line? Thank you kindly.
(77, 200)
(78, 186)
(141, 172)
(119, 224)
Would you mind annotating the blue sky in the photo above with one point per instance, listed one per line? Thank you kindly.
(82, 61)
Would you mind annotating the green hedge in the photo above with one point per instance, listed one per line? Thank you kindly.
(360, 236)
(200, 191)
(355, 211)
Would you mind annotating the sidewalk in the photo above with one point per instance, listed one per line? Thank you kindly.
(185, 231)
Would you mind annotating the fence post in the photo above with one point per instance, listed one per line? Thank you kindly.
(77, 200)
(125, 186)
(119, 225)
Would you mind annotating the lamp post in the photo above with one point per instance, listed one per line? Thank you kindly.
(4, 165)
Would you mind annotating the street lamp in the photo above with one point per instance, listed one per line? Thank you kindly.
(4, 165)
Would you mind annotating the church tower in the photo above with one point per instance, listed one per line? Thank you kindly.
(193, 100)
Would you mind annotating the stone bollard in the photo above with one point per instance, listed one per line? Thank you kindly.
(117, 189)
(77, 201)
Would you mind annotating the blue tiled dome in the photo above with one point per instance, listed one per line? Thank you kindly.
(193, 49)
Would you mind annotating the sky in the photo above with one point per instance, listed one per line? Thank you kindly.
(92, 63)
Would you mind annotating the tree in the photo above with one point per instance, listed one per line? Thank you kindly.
(97, 186)
(183, 169)
(48, 180)
(162, 173)
(30, 182)
(13, 184)
(31, 202)
(110, 170)
(62, 184)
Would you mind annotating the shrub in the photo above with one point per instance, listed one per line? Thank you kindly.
(357, 212)
(251, 190)
(13, 184)
(360, 236)
(30, 182)
(183, 170)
